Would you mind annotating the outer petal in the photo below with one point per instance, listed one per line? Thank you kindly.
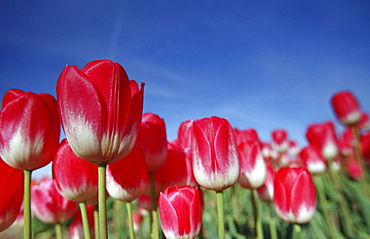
(78, 187)
(11, 191)
(82, 113)
(168, 216)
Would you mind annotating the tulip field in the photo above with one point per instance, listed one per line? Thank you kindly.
(116, 175)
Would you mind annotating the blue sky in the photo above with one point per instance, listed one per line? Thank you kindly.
(262, 64)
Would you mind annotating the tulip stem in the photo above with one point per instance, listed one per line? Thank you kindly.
(220, 212)
(85, 220)
(257, 214)
(297, 231)
(272, 223)
(155, 224)
(96, 222)
(58, 231)
(27, 229)
(103, 227)
(130, 221)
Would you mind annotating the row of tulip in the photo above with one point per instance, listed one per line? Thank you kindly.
(113, 152)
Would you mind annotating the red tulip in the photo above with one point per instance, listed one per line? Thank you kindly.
(78, 186)
(49, 206)
(252, 166)
(76, 230)
(184, 134)
(137, 219)
(294, 195)
(246, 135)
(323, 136)
(11, 191)
(312, 159)
(215, 154)
(365, 147)
(180, 212)
(364, 123)
(346, 108)
(127, 178)
(100, 110)
(266, 191)
(190, 179)
(29, 124)
(153, 140)
(280, 140)
(354, 169)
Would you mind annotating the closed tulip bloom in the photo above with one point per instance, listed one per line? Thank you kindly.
(364, 123)
(78, 187)
(76, 230)
(180, 212)
(312, 159)
(127, 178)
(354, 169)
(215, 154)
(11, 191)
(323, 136)
(29, 124)
(294, 195)
(184, 134)
(49, 206)
(246, 135)
(346, 108)
(252, 166)
(100, 110)
(280, 140)
(266, 191)
(153, 140)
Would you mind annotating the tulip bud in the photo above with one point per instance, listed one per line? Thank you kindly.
(346, 108)
(312, 159)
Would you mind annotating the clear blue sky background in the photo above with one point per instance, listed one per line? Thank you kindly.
(262, 64)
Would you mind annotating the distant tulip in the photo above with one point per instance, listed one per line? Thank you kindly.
(11, 191)
(364, 123)
(127, 178)
(153, 140)
(280, 140)
(312, 159)
(346, 108)
(246, 135)
(180, 212)
(323, 136)
(252, 166)
(294, 195)
(78, 186)
(49, 206)
(215, 154)
(266, 191)
(100, 110)
(137, 219)
(184, 134)
(76, 230)
(29, 124)
(354, 169)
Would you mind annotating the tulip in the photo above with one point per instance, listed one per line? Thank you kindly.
(294, 195)
(354, 169)
(153, 140)
(100, 111)
(184, 134)
(280, 140)
(346, 108)
(180, 212)
(246, 135)
(215, 159)
(16, 229)
(49, 206)
(266, 191)
(364, 123)
(11, 191)
(312, 159)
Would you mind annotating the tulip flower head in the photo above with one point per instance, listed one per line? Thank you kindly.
(100, 110)
(294, 195)
(346, 108)
(312, 159)
(215, 154)
(78, 187)
(29, 134)
(280, 140)
(11, 191)
(180, 212)
(266, 191)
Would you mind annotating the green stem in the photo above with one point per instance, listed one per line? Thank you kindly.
(103, 227)
(257, 214)
(85, 220)
(273, 233)
(119, 218)
(96, 223)
(297, 231)
(130, 221)
(345, 215)
(360, 158)
(220, 213)
(155, 224)
(58, 231)
(324, 205)
(27, 229)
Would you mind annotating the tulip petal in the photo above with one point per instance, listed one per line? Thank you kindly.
(169, 218)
